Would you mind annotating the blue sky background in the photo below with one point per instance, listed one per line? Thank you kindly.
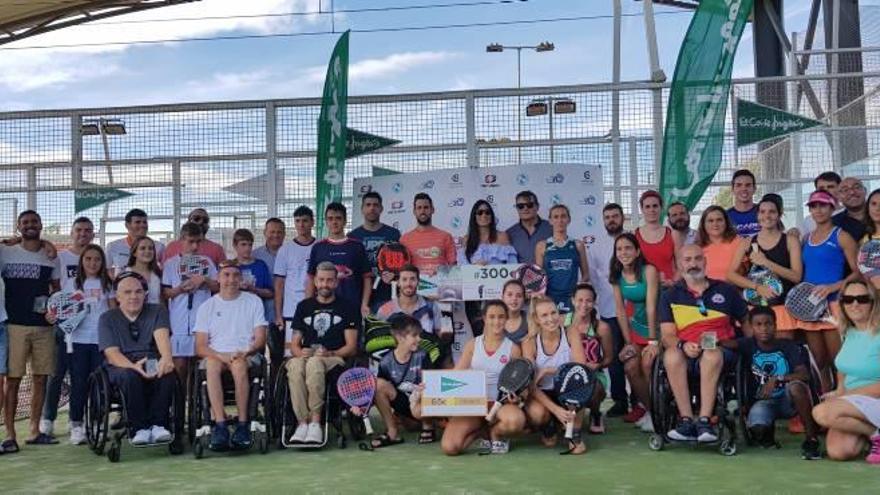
(395, 62)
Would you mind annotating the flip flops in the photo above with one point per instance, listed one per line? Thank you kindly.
(42, 439)
(382, 440)
(9, 446)
(427, 436)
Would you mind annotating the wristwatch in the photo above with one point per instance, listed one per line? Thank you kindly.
(680, 345)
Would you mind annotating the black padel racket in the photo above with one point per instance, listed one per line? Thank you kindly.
(803, 304)
(573, 385)
(513, 380)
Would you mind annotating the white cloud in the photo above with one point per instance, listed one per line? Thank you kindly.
(379, 68)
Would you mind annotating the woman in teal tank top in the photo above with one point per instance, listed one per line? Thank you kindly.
(636, 287)
(852, 411)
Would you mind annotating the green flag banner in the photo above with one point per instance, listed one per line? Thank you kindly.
(756, 122)
(360, 143)
(330, 168)
(83, 199)
(694, 134)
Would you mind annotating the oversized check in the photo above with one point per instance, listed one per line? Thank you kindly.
(454, 393)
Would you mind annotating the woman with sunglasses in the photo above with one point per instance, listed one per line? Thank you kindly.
(484, 244)
(771, 249)
(656, 241)
(717, 236)
(636, 287)
(563, 259)
(852, 411)
(872, 231)
(827, 252)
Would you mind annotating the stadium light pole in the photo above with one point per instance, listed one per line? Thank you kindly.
(544, 46)
(549, 106)
(104, 127)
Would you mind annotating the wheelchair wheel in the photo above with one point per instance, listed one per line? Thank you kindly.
(177, 420)
(193, 411)
(198, 447)
(662, 407)
(281, 407)
(656, 442)
(263, 442)
(114, 453)
(97, 412)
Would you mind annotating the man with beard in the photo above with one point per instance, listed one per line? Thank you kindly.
(744, 212)
(118, 251)
(429, 247)
(694, 306)
(852, 220)
(374, 234)
(599, 260)
(325, 331)
(680, 221)
(349, 257)
(30, 275)
(207, 247)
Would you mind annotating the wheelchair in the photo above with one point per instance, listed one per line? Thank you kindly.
(744, 383)
(200, 422)
(335, 412)
(664, 411)
(104, 400)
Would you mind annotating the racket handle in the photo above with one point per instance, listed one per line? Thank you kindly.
(376, 283)
(368, 427)
(69, 341)
(492, 412)
(394, 290)
(569, 430)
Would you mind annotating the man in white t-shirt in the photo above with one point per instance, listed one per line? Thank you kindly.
(291, 271)
(230, 331)
(119, 250)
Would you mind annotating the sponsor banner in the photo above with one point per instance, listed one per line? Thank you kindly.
(484, 282)
(454, 192)
(454, 393)
(756, 122)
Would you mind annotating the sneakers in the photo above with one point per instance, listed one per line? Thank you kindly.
(220, 437)
(141, 437)
(620, 408)
(636, 414)
(47, 427)
(77, 434)
(685, 430)
(500, 446)
(597, 424)
(874, 454)
(314, 434)
(299, 436)
(706, 431)
(158, 434)
(810, 450)
(241, 438)
(484, 444)
(795, 425)
(646, 424)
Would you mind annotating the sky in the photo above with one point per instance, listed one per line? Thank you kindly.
(293, 66)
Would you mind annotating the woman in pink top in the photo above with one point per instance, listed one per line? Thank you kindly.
(717, 236)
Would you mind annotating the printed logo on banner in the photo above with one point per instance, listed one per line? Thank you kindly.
(589, 220)
(555, 200)
(366, 188)
(556, 179)
(490, 198)
(456, 202)
(490, 180)
(588, 200)
(587, 177)
(455, 181)
(456, 222)
(397, 208)
(588, 239)
(428, 184)
(522, 179)
(397, 187)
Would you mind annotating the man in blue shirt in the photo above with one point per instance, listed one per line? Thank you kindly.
(531, 228)
(744, 212)
(374, 234)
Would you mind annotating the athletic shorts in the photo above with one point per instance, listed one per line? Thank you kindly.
(401, 406)
(4, 349)
(729, 362)
(34, 344)
(183, 345)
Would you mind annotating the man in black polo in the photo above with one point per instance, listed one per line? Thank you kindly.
(530, 229)
(135, 339)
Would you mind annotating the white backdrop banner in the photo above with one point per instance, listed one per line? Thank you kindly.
(454, 192)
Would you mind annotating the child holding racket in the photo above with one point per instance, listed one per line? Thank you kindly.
(92, 279)
(488, 352)
(550, 346)
(598, 347)
(636, 285)
(399, 383)
(827, 251)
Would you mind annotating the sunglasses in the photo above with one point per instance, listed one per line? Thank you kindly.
(484, 211)
(523, 206)
(862, 299)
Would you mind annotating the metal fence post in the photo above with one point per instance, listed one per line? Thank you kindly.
(175, 196)
(76, 151)
(271, 160)
(473, 154)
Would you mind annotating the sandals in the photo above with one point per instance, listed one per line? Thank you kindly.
(574, 444)
(9, 446)
(41, 439)
(427, 436)
(382, 440)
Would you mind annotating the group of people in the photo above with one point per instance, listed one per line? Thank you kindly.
(662, 291)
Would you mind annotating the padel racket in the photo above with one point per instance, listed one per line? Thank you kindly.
(513, 380)
(573, 385)
(392, 256)
(869, 258)
(592, 349)
(533, 278)
(69, 310)
(761, 276)
(803, 304)
(356, 388)
(192, 265)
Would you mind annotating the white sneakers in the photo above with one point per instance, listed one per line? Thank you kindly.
(315, 433)
(645, 424)
(500, 446)
(299, 436)
(155, 434)
(77, 434)
(47, 427)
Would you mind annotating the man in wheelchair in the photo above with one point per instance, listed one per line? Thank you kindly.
(325, 333)
(695, 314)
(135, 340)
(230, 334)
(777, 377)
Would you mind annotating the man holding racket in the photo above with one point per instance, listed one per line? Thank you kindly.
(374, 234)
(695, 314)
(230, 332)
(325, 332)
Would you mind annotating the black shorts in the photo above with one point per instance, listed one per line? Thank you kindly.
(400, 405)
